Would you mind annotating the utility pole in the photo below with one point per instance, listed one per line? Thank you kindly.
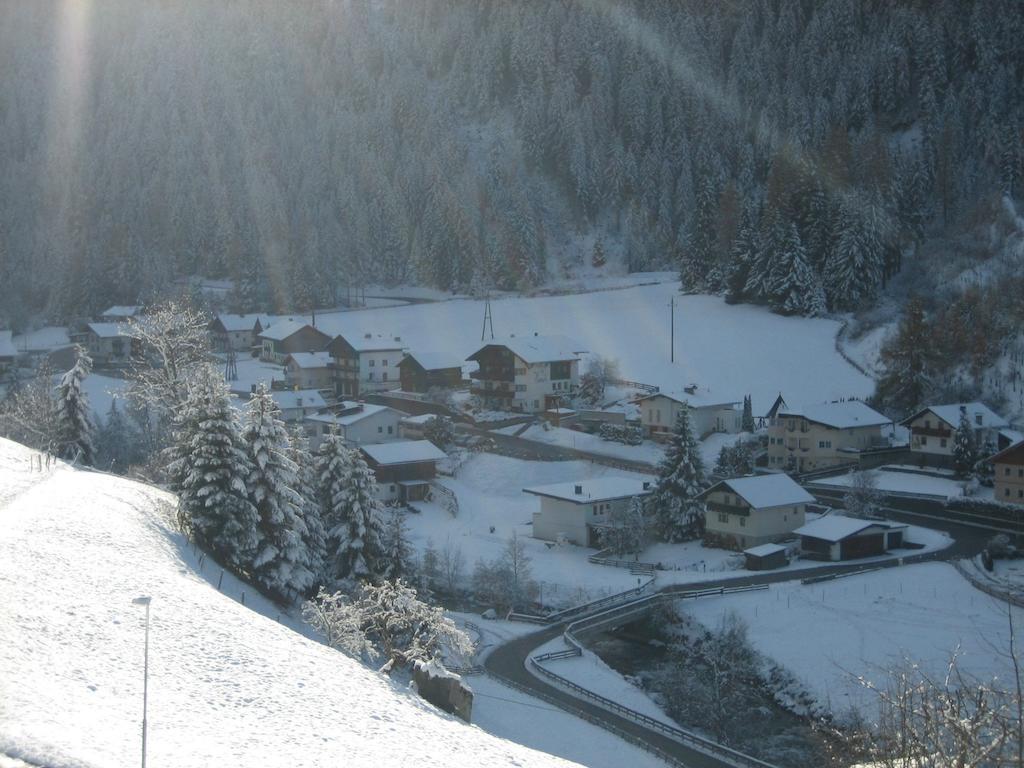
(672, 329)
(145, 675)
(488, 319)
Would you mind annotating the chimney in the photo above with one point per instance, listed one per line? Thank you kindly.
(535, 333)
(647, 485)
(579, 490)
(252, 389)
(314, 318)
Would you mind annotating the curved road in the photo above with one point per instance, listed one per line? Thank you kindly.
(508, 662)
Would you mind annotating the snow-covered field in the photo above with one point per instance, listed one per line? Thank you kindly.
(903, 482)
(648, 451)
(228, 684)
(829, 634)
(731, 350)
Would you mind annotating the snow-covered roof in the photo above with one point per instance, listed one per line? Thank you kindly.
(355, 412)
(7, 344)
(238, 323)
(1011, 451)
(950, 413)
(403, 452)
(287, 399)
(121, 311)
(594, 490)
(282, 329)
(697, 398)
(537, 349)
(310, 359)
(845, 415)
(1011, 435)
(838, 527)
(764, 550)
(373, 342)
(423, 418)
(761, 491)
(432, 360)
(108, 330)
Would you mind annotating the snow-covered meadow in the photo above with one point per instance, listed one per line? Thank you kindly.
(229, 684)
(830, 634)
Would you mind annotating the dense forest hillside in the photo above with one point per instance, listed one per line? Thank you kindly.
(790, 153)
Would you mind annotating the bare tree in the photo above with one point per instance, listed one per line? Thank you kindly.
(452, 564)
(29, 414)
(863, 499)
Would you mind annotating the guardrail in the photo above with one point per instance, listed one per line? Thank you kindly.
(834, 576)
(649, 388)
(595, 605)
(635, 566)
(617, 614)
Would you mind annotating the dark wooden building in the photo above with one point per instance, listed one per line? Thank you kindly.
(837, 537)
(424, 371)
(288, 336)
(404, 468)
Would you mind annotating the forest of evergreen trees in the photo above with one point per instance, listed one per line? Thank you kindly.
(778, 152)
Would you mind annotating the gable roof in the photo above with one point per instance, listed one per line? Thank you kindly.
(403, 452)
(108, 330)
(838, 527)
(298, 398)
(352, 414)
(432, 360)
(537, 349)
(695, 399)
(778, 405)
(950, 413)
(284, 329)
(372, 342)
(7, 344)
(845, 415)
(237, 323)
(309, 359)
(121, 311)
(761, 491)
(1015, 451)
(595, 490)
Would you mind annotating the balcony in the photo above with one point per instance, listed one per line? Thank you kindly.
(493, 374)
(729, 509)
(931, 432)
(491, 389)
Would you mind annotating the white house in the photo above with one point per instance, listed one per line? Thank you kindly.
(709, 412)
(357, 423)
(746, 512)
(297, 404)
(932, 429)
(107, 343)
(527, 374)
(366, 363)
(575, 512)
(824, 435)
(237, 332)
(308, 370)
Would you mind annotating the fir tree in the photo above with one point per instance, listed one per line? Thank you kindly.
(281, 564)
(397, 559)
(315, 537)
(744, 252)
(208, 468)
(793, 287)
(747, 423)
(679, 513)
(965, 449)
(75, 428)
(117, 441)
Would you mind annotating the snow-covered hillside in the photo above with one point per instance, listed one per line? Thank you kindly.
(726, 350)
(228, 686)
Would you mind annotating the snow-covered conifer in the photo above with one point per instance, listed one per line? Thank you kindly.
(965, 449)
(75, 426)
(626, 532)
(315, 537)
(397, 556)
(747, 423)
(208, 469)
(281, 564)
(681, 478)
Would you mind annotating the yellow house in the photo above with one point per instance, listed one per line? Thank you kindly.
(822, 436)
(749, 511)
(1009, 474)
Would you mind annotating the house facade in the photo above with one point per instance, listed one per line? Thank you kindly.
(837, 537)
(527, 375)
(933, 429)
(822, 436)
(404, 469)
(424, 371)
(750, 511)
(234, 332)
(365, 364)
(297, 404)
(107, 343)
(708, 414)
(285, 337)
(576, 512)
(308, 370)
(356, 423)
(1008, 479)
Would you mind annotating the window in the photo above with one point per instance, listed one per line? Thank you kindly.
(391, 430)
(384, 376)
(369, 376)
(824, 443)
(1007, 492)
(657, 415)
(743, 522)
(391, 488)
(520, 387)
(384, 363)
(536, 404)
(942, 442)
(924, 440)
(1020, 493)
(977, 419)
(1007, 472)
(723, 517)
(1020, 472)
(372, 362)
(520, 371)
(380, 430)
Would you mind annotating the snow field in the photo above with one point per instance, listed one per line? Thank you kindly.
(906, 482)
(831, 633)
(228, 684)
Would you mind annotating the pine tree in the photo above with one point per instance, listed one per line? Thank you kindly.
(208, 467)
(854, 268)
(744, 252)
(75, 428)
(906, 380)
(281, 565)
(397, 559)
(793, 287)
(747, 424)
(315, 537)
(681, 478)
(350, 512)
(965, 449)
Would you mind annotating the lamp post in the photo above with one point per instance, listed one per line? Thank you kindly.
(145, 674)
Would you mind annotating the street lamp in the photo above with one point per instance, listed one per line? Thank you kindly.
(145, 674)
